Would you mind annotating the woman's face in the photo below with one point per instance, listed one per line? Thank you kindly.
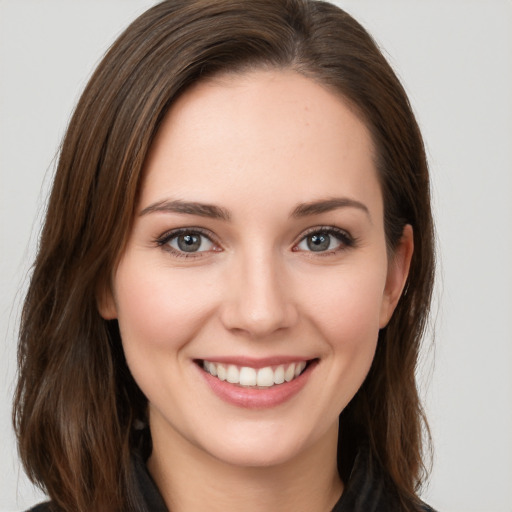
(256, 277)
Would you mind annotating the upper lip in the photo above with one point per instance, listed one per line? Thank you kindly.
(253, 362)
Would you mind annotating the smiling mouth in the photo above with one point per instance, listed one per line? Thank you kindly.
(257, 378)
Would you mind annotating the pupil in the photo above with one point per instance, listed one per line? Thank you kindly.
(189, 243)
(318, 242)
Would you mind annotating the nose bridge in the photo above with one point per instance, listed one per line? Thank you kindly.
(260, 303)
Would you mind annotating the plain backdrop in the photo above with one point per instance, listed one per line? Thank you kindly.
(455, 60)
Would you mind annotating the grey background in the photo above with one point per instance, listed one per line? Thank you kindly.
(455, 59)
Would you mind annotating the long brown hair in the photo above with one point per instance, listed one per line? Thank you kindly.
(76, 402)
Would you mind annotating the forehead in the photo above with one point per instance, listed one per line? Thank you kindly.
(260, 133)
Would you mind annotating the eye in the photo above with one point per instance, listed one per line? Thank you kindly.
(186, 242)
(325, 240)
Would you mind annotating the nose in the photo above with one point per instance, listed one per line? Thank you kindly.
(259, 301)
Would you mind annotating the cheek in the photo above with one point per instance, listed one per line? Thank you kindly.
(159, 309)
(346, 308)
(159, 313)
(344, 311)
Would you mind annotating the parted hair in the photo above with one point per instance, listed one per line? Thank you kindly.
(76, 402)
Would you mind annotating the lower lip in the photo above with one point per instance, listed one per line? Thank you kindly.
(263, 398)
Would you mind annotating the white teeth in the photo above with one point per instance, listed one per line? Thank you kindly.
(247, 376)
(279, 375)
(265, 377)
(221, 371)
(210, 368)
(299, 367)
(233, 374)
(289, 373)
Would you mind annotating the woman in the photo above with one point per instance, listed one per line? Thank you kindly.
(234, 273)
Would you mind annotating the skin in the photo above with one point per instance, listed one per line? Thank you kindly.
(256, 145)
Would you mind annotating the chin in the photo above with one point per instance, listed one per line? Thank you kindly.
(252, 455)
(265, 444)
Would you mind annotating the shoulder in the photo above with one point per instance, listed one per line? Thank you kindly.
(368, 489)
(42, 507)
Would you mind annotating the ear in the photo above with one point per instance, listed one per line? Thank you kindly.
(105, 302)
(398, 270)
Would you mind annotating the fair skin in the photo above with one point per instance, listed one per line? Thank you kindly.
(279, 262)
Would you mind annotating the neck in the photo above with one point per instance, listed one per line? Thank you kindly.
(190, 479)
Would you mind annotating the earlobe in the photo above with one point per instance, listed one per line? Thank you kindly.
(105, 302)
(398, 270)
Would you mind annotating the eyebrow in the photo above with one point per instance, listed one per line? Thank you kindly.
(189, 208)
(217, 212)
(327, 205)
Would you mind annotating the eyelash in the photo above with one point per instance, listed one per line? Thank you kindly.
(164, 240)
(346, 240)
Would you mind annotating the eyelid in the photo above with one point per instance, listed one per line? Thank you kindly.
(163, 241)
(346, 239)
